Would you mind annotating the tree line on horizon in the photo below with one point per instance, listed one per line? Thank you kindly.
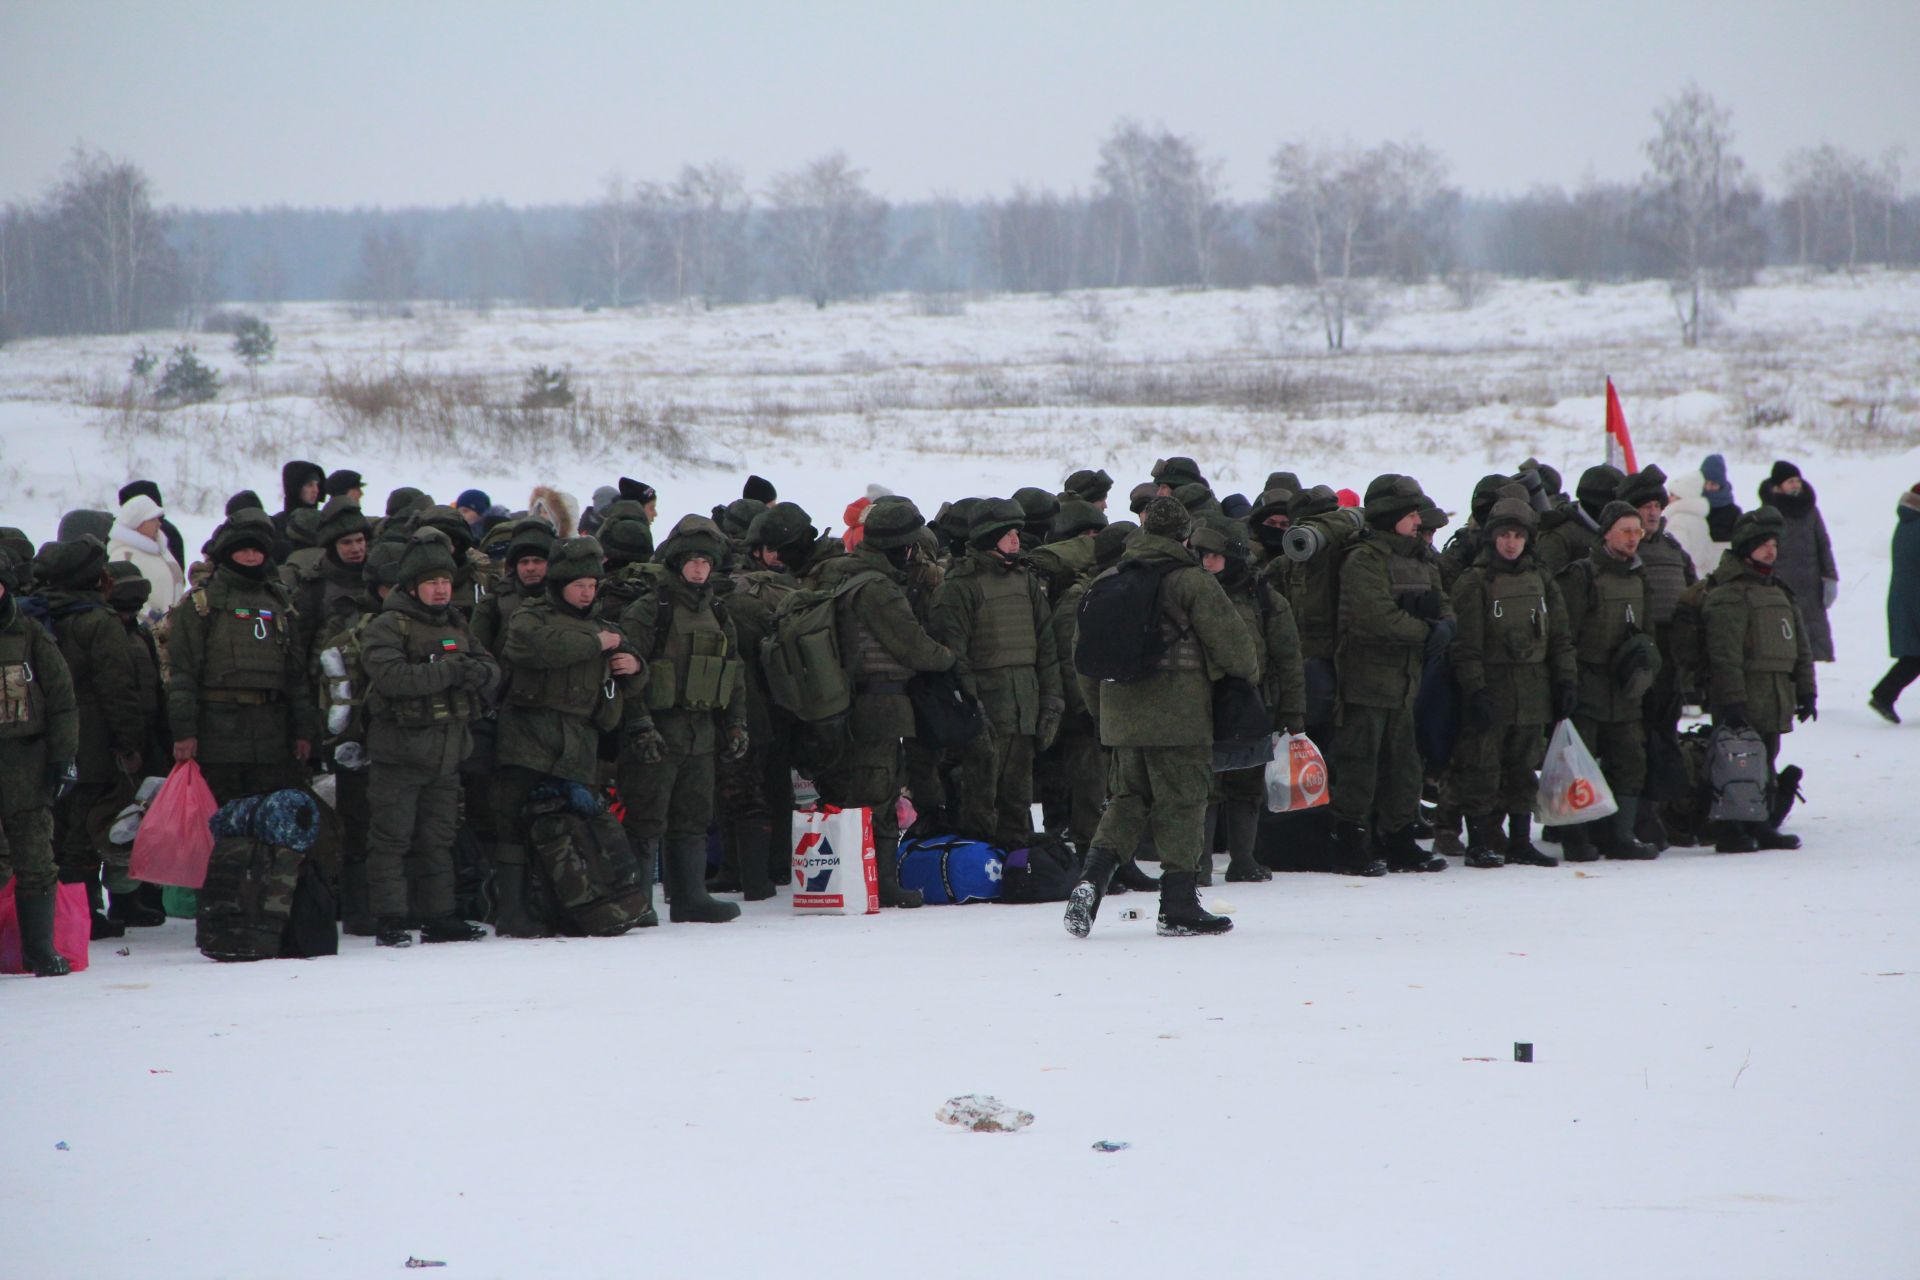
(95, 254)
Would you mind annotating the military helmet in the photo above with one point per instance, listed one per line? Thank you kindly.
(1140, 495)
(993, 519)
(1040, 508)
(891, 522)
(303, 527)
(1390, 498)
(1111, 541)
(1598, 486)
(528, 537)
(1316, 501)
(625, 533)
(382, 567)
(693, 536)
(448, 521)
(16, 543)
(1220, 535)
(1510, 513)
(1274, 501)
(1176, 471)
(737, 516)
(781, 526)
(1076, 516)
(1486, 491)
(405, 500)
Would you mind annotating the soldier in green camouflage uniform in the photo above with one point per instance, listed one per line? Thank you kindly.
(427, 680)
(1570, 532)
(1238, 794)
(39, 737)
(1669, 571)
(1160, 732)
(336, 576)
(695, 708)
(992, 614)
(1389, 603)
(1312, 587)
(524, 569)
(568, 678)
(885, 646)
(1089, 485)
(239, 701)
(1513, 659)
(113, 733)
(1759, 660)
(1607, 611)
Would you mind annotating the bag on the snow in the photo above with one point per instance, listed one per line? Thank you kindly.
(72, 926)
(1296, 774)
(1572, 788)
(834, 871)
(1045, 871)
(174, 840)
(1118, 634)
(951, 869)
(584, 861)
(1737, 776)
(313, 925)
(262, 849)
(1242, 726)
(944, 715)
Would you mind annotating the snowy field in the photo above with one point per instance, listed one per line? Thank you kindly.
(1723, 1045)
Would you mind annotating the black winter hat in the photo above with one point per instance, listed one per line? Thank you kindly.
(1486, 490)
(1235, 506)
(1598, 486)
(1782, 472)
(245, 500)
(760, 490)
(1176, 471)
(297, 475)
(1140, 495)
(1613, 513)
(634, 491)
(1166, 518)
(341, 483)
(74, 566)
(147, 487)
(130, 587)
(1648, 484)
(782, 526)
(1755, 527)
(247, 527)
(1087, 485)
(892, 521)
(1288, 480)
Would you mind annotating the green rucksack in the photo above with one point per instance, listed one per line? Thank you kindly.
(806, 673)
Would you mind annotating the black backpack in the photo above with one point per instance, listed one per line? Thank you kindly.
(944, 715)
(1045, 871)
(1118, 634)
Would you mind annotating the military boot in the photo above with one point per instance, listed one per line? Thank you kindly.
(1479, 848)
(392, 932)
(356, 917)
(646, 854)
(36, 934)
(1353, 852)
(750, 842)
(133, 910)
(1446, 833)
(511, 919)
(1576, 842)
(1204, 871)
(1649, 829)
(1616, 834)
(1734, 837)
(1131, 875)
(1083, 903)
(1520, 847)
(1181, 915)
(688, 901)
(1403, 853)
(886, 854)
(450, 929)
(1766, 837)
(1242, 821)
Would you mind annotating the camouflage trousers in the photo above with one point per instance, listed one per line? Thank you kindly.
(1621, 748)
(996, 789)
(1159, 792)
(1084, 764)
(82, 820)
(1376, 770)
(1497, 772)
(671, 798)
(869, 775)
(26, 823)
(415, 813)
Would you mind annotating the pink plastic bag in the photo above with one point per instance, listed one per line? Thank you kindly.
(174, 840)
(72, 927)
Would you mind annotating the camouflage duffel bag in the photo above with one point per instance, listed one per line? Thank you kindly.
(592, 883)
(261, 844)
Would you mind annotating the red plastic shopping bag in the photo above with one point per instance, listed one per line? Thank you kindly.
(834, 870)
(174, 840)
(72, 927)
(1297, 774)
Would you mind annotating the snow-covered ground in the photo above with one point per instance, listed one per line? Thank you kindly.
(1723, 1045)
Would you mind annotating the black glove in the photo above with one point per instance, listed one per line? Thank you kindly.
(1295, 726)
(1051, 712)
(1566, 699)
(1480, 710)
(738, 741)
(1732, 716)
(62, 776)
(1428, 606)
(474, 675)
(1804, 709)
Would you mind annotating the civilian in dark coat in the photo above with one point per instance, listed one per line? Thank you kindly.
(1903, 606)
(1806, 553)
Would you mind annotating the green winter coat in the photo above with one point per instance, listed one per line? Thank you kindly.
(1567, 535)
(993, 617)
(1607, 607)
(106, 687)
(491, 615)
(560, 696)
(1382, 646)
(1060, 564)
(39, 717)
(1512, 637)
(239, 672)
(420, 701)
(1207, 641)
(1757, 647)
(883, 644)
(1065, 625)
(694, 687)
(1269, 620)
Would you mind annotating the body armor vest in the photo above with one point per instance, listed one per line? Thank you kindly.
(22, 705)
(1516, 624)
(1003, 630)
(1618, 609)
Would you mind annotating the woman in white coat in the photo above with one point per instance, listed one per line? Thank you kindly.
(136, 538)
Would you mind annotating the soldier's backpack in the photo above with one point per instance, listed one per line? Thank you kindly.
(1737, 776)
(1045, 871)
(807, 675)
(1687, 639)
(342, 686)
(951, 869)
(1118, 634)
(587, 880)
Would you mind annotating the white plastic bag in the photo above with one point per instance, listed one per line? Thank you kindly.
(1572, 788)
(834, 870)
(1297, 774)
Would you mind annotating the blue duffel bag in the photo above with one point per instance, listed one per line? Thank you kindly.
(948, 869)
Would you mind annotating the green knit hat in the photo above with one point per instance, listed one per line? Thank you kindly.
(1754, 528)
(625, 533)
(340, 518)
(1077, 515)
(574, 558)
(429, 554)
(1613, 513)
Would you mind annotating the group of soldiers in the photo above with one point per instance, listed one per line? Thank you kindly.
(445, 664)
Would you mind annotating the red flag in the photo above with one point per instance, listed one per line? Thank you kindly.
(1619, 439)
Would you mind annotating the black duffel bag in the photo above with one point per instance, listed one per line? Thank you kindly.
(944, 715)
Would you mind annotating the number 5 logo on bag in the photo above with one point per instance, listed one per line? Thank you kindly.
(1580, 795)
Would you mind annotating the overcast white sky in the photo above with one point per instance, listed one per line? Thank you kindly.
(394, 102)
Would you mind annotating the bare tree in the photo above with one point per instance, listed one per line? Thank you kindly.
(825, 229)
(116, 240)
(1323, 212)
(706, 232)
(1161, 199)
(385, 275)
(1699, 205)
(614, 239)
